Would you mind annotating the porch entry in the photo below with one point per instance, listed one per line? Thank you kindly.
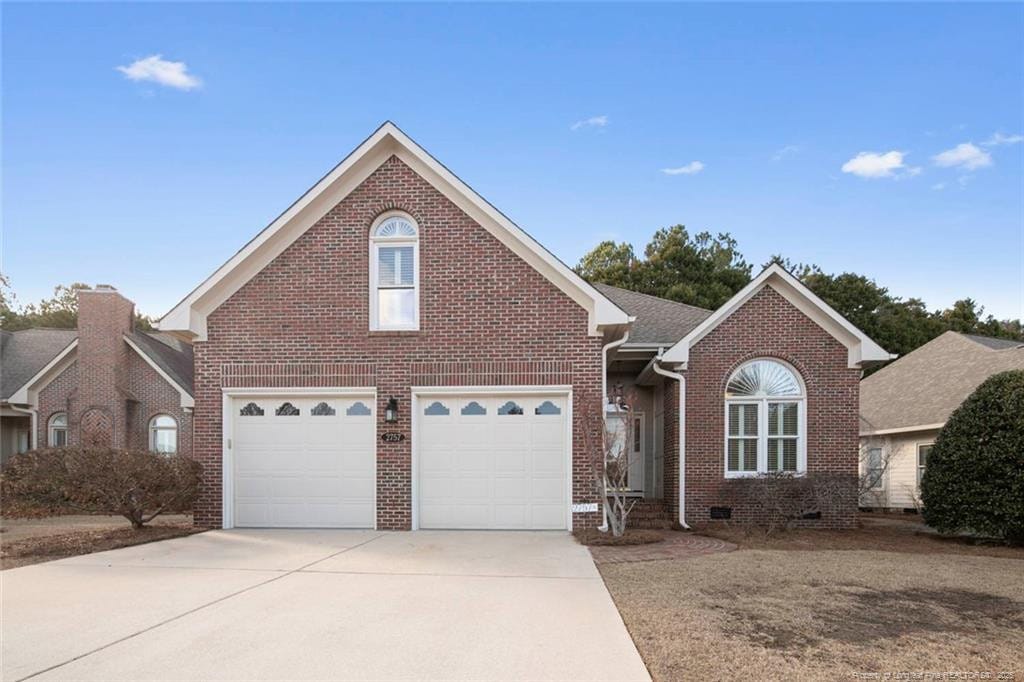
(626, 431)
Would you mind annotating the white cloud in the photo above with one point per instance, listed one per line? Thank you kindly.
(965, 156)
(592, 122)
(877, 165)
(998, 139)
(691, 168)
(939, 186)
(787, 152)
(156, 69)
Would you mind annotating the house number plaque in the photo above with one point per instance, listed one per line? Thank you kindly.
(392, 437)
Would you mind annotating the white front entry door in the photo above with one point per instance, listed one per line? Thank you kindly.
(492, 461)
(303, 462)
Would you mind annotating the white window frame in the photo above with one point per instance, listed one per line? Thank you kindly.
(153, 430)
(762, 424)
(51, 430)
(879, 483)
(918, 469)
(375, 244)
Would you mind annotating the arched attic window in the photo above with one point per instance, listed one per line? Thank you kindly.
(394, 272)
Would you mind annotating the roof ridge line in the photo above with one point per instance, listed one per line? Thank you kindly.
(656, 298)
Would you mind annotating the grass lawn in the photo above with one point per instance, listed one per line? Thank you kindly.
(32, 541)
(821, 605)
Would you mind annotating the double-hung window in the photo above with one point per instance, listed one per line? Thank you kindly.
(764, 426)
(394, 273)
(57, 430)
(922, 460)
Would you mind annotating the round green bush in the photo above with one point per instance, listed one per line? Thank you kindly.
(974, 477)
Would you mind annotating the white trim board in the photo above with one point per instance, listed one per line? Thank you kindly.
(860, 347)
(227, 471)
(903, 429)
(187, 401)
(190, 314)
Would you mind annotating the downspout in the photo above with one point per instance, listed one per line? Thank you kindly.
(604, 401)
(34, 415)
(682, 435)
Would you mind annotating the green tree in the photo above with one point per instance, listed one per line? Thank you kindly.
(702, 269)
(610, 263)
(974, 478)
(58, 312)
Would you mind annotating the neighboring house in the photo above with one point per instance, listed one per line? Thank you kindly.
(105, 383)
(904, 405)
(393, 352)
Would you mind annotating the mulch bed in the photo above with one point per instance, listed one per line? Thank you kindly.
(49, 548)
(673, 545)
(632, 536)
(884, 534)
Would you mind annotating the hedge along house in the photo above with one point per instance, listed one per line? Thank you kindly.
(393, 352)
(104, 384)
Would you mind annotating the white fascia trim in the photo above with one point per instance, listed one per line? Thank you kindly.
(187, 401)
(26, 395)
(903, 429)
(190, 314)
(861, 348)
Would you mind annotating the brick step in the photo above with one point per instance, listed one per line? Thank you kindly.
(649, 514)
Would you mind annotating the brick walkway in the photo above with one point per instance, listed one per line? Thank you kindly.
(676, 545)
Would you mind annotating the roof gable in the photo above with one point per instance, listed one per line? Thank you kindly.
(921, 389)
(170, 357)
(860, 348)
(659, 321)
(190, 314)
(25, 354)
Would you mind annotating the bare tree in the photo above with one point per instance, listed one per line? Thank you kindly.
(874, 464)
(608, 439)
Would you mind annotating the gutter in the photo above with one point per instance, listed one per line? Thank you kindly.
(604, 399)
(682, 435)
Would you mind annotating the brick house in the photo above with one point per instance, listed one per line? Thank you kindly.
(393, 352)
(104, 383)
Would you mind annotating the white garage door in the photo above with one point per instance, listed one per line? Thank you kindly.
(496, 461)
(303, 462)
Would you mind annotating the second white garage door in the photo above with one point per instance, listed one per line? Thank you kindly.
(497, 461)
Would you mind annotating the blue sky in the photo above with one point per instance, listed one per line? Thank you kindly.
(151, 176)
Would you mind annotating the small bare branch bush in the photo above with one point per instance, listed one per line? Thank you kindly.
(609, 456)
(784, 498)
(134, 484)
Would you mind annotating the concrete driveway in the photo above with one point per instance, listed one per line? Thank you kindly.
(318, 604)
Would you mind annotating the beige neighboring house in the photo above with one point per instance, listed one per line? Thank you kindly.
(904, 405)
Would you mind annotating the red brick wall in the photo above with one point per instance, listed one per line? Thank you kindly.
(154, 396)
(766, 326)
(104, 317)
(304, 321)
(109, 391)
(58, 396)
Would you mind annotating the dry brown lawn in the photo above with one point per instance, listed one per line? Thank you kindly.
(32, 542)
(800, 614)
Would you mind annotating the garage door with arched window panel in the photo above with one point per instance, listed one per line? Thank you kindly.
(303, 461)
(492, 461)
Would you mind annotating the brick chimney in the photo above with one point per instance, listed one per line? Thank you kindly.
(104, 317)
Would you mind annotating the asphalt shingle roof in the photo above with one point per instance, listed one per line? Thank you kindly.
(926, 385)
(658, 320)
(24, 353)
(170, 354)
